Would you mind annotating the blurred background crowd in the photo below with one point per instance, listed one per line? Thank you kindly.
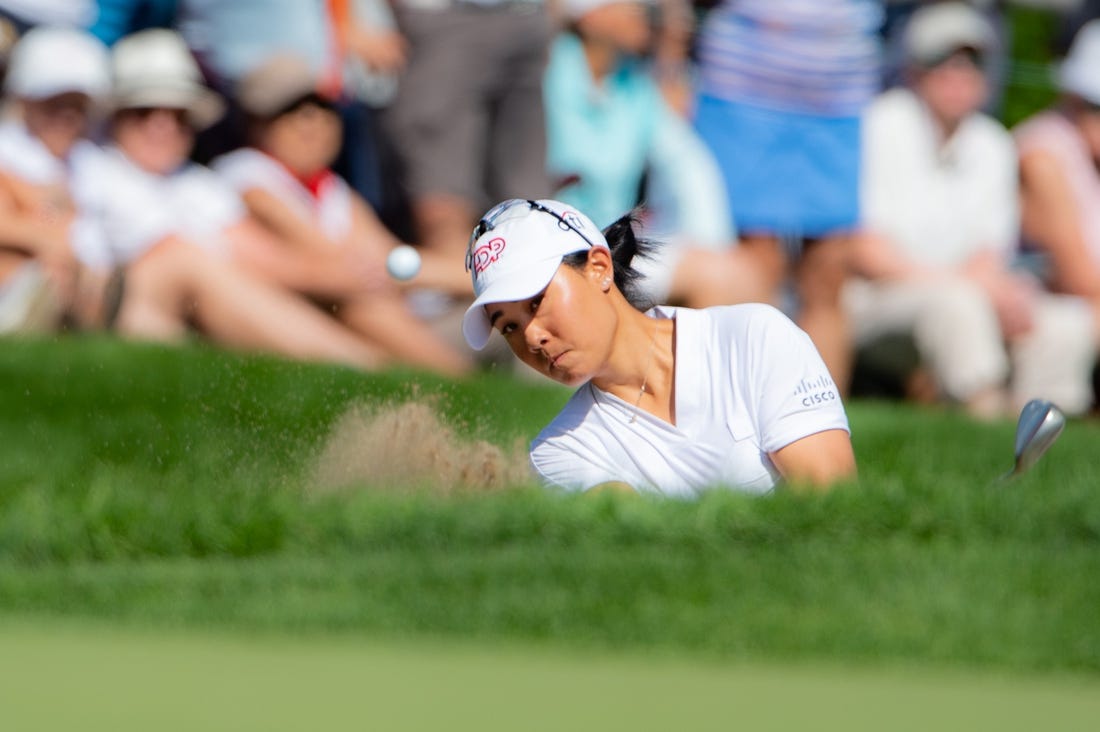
(238, 170)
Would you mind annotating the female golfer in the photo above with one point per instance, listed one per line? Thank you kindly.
(670, 400)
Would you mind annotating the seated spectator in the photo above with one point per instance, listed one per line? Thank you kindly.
(61, 184)
(609, 128)
(940, 209)
(1060, 174)
(313, 219)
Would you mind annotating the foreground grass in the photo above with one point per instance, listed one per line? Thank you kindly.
(114, 680)
(168, 488)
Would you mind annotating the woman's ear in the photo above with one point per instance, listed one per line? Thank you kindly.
(599, 268)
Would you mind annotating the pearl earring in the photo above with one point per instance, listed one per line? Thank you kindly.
(606, 285)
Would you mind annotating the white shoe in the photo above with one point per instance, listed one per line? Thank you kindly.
(28, 302)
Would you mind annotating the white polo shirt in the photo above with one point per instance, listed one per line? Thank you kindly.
(139, 209)
(940, 202)
(76, 178)
(330, 208)
(748, 382)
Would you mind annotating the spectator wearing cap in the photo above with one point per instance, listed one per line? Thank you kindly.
(609, 128)
(56, 78)
(940, 210)
(1060, 174)
(65, 182)
(314, 221)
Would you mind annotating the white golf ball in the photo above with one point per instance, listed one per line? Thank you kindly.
(403, 262)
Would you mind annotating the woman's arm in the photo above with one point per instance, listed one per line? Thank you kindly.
(290, 228)
(437, 271)
(1051, 220)
(818, 460)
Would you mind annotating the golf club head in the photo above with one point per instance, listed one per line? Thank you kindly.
(1039, 425)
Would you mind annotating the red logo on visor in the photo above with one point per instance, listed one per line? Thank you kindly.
(487, 253)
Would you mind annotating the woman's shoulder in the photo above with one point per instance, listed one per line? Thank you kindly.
(1048, 132)
(743, 318)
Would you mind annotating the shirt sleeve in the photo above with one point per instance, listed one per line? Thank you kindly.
(563, 457)
(792, 394)
(557, 467)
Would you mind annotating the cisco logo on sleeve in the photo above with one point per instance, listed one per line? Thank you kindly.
(816, 391)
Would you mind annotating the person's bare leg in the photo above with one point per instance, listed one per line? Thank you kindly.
(819, 280)
(176, 282)
(445, 271)
(768, 258)
(387, 321)
(444, 223)
(10, 262)
(704, 277)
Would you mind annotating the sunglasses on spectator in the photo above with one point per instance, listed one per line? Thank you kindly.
(971, 57)
(143, 114)
(67, 104)
(312, 99)
(490, 219)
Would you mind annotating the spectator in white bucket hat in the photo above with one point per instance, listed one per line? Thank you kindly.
(63, 186)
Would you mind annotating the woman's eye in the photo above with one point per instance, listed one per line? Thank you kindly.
(535, 302)
(507, 328)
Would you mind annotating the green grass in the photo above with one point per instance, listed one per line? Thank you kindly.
(157, 488)
(93, 678)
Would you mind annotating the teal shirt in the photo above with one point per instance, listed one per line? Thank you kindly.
(604, 134)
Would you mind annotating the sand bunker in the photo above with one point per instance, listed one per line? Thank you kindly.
(407, 446)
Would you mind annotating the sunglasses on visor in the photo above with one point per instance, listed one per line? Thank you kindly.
(489, 221)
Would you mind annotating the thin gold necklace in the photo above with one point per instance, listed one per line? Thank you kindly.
(645, 373)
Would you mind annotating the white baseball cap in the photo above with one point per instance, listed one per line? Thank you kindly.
(935, 31)
(48, 61)
(154, 68)
(1080, 73)
(514, 252)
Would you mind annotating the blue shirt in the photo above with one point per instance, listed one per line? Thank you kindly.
(603, 134)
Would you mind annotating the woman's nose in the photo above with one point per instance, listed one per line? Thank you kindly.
(536, 336)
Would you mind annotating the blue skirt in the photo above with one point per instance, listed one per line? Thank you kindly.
(788, 174)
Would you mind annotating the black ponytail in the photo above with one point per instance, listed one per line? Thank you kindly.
(625, 245)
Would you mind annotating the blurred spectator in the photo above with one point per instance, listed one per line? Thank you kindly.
(1060, 174)
(468, 119)
(152, 289)
(54, 76)
(374, 55)
(940, 208)
(609, 128)
(324, 239)
(782, 86)
(898, 13)
(345, 42)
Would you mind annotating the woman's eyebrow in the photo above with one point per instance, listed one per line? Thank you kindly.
(493, 317)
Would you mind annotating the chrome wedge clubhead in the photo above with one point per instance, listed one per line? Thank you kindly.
(1039, 425)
